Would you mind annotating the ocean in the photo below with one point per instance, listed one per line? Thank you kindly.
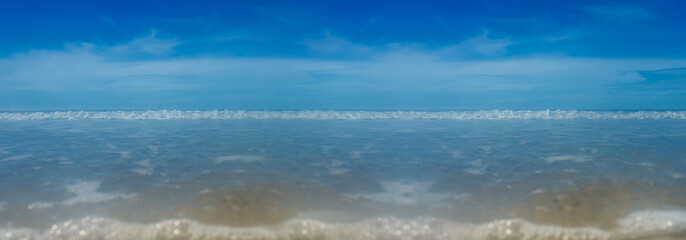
(496, 174)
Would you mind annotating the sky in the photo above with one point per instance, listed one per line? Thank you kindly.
(342, 55)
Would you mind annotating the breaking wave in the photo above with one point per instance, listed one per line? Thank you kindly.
(341, 115)
(639, 225)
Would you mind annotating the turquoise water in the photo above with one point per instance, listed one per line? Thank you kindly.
(343, 175)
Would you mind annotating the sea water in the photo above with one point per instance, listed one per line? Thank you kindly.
(343, 175)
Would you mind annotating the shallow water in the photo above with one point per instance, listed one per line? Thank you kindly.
(303, 175)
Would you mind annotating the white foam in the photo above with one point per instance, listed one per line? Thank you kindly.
(86, 192)
(124, 154)
(478, 167)
(457, 154)
(142, 171)
(343, 115)
(475, 171)
(16, 157)
(338, 171)
(639, 225)
(154, 149)
(572, 158)
(647, 224)
(405, 193)
(240, 158)
(355, 154)
(335, 168)
(145, 169)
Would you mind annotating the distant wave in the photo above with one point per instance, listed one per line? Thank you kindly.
(638, 225)
(341, 115)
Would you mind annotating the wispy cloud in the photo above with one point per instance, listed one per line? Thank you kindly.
(369, 23)
(556, 38)
(444, 24)
(109, 22)
(477, 47)
(149, 44)
(407, 70)
(483, 45)
(87, 66)
(336, 46)
(620, 13)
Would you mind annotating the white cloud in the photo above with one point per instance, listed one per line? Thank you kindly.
(485, 45)
(620, 13)
(89, 67)
(481, 45)
(336, 46)
(478, 46)
(149, 45)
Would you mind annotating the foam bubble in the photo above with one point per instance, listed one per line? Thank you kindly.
(241, 158)
(639, 225)
(648, 224)
(572, 158)
(355, 154)
(405, 193)
(338, 171)
(16, 157)
(86, 192)
(475, 171)
(342, 115)
(124, 154)
(142, 171)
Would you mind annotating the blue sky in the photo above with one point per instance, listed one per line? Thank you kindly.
(381, 55)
